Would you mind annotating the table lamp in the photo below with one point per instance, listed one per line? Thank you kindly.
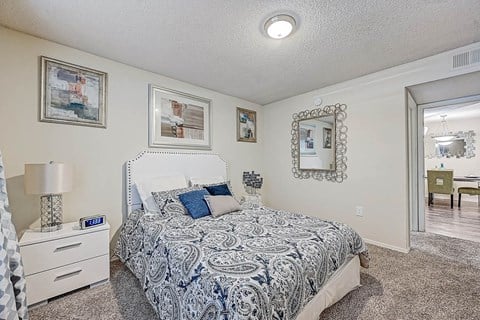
(50, 180)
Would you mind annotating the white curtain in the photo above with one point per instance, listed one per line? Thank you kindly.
(13, 304)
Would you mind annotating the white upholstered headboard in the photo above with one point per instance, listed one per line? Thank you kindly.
(154, 164)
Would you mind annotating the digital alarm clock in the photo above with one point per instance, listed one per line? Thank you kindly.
(92, 221)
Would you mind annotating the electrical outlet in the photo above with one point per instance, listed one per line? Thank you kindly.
(359, 211)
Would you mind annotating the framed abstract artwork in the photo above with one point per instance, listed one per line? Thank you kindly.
(246, 125)
(72, 94)
(178, 119)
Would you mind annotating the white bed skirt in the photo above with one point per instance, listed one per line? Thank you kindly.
(344, 280)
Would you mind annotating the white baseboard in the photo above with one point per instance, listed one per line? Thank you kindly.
(387, 246)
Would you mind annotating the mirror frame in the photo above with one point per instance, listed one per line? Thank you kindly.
(467, 136)
(339, 173)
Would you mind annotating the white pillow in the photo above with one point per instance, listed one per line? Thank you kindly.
(157, 184)
(220, 205)
(200, 181)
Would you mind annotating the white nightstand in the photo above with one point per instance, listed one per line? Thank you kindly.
(251, 201)
(61, 261)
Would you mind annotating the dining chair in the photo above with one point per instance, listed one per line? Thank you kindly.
(467, 190)
(440, 182)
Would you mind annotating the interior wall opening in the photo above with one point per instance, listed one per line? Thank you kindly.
(444, 170)
(451, 168)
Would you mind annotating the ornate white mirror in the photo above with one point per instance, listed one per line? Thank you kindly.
(319, 140)
(461, 145)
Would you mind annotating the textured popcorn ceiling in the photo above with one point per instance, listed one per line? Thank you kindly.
(220, 44)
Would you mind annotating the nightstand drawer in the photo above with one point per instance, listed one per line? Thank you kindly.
(48, 255)
(44, 285)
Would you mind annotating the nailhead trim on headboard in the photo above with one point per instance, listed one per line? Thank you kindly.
(130, 163)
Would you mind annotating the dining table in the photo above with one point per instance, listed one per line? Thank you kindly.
(467, 179)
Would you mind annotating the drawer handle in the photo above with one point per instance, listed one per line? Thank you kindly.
(68, 246)
(67, 275)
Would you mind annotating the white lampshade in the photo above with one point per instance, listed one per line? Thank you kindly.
(48, 178)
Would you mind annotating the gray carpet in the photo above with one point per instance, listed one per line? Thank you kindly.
(447, 247)
(439, 279)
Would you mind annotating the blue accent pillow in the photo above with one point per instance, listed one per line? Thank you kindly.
(195, 203)
(219, 190)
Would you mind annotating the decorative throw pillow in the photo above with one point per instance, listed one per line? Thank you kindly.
(219, 190)
(196, 181)
(168, 201)
(203, 185)
(195, 203)
(156, 184)
(220, 205)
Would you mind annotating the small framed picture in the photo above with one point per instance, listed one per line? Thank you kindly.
(307, 139)
(327, 138)
(246, 125)
(178, 119)
(72, 94)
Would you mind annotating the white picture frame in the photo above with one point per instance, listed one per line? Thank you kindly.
(178, 119)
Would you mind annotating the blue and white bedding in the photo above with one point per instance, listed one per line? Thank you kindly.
(251, 264)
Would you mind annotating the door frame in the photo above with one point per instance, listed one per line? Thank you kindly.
(417, 157)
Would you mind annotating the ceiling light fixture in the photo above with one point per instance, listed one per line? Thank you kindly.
(445, 143)
(280, 26)
(446, 135)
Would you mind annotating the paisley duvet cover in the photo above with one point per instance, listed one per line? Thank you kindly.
(251, 264)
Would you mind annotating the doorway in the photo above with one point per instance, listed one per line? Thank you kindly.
(450, 144)
(434, 116)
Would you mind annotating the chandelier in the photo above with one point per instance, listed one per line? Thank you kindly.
(446, 137)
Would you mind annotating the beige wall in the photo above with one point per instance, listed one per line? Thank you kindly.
(97, 154)
(377, 152)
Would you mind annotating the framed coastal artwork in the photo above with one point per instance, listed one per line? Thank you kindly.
(246, 125)
(72, 94)
(178, 119)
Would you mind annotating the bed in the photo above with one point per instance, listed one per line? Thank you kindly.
(255, 263)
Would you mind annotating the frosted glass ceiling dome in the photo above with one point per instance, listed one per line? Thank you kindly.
(280, 26)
